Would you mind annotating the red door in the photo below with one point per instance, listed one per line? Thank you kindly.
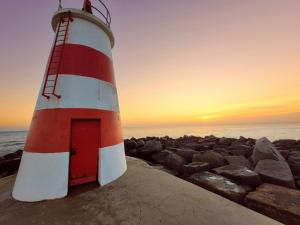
(85, 143)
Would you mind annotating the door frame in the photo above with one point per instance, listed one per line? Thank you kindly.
(70, 148)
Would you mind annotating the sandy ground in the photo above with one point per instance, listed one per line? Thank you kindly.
(144, 196)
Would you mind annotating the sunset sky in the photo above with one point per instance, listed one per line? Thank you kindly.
(176, 62)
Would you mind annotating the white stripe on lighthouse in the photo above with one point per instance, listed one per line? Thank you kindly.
(42, 176)
(81, 92)
(86, 33)
(112, 163)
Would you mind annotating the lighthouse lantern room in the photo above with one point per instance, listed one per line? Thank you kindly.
(75, 135)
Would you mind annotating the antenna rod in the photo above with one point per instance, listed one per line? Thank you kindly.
(59, 6)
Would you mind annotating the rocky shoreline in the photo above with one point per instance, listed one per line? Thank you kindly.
(9, 164)
(258, 174)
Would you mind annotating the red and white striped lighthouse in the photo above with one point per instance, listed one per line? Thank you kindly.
(75, 135)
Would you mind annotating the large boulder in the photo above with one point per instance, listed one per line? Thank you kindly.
(214, 159)
(285, 143)
(240, 149)
(238, 161)
(225, 141)
(9, 166)
(195, 167)
(140, 143)
(280, 203)
(240, 174)
(15, 155)
(221, 150)
(132, 152)
(151, 147)
(284, 153)
(186, 153)
(129, 144)
(220, 185)
(298, 184)
(264, 149)
(294, 162)
(275, 172)
(169, 159)
(198, 146)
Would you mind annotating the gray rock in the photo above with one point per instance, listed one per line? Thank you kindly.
(221, 149)
(220, 185)
(195, 167)
(170, 160)
(210, 138)
(186, 153)
(154, 145)
(140, 143)
(199, 146)
(298, 184)
(277, 202)
(264, 149)
(151, 147)
(238, 161)
(132, 152)
(240, 149)
(15, 155)
(9, 166)
(225, 141)
(284, 153)
(129, 144)
(275, 172)
(285, 143)
(240, 174)
(294, 162)
(214, 159)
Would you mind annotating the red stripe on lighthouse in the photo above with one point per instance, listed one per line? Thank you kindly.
(84, 61)
(50, 129)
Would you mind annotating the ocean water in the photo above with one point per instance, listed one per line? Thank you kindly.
(11, 141)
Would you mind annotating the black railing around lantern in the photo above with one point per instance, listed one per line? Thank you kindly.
(100, 9)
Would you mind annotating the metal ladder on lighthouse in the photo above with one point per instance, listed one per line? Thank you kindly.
(57, 52)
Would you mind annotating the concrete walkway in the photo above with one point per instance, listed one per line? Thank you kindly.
(144, 196)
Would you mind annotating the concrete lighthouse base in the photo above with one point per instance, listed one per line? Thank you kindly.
(143, 195)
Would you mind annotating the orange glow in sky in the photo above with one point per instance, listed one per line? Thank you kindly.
(176, 62)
